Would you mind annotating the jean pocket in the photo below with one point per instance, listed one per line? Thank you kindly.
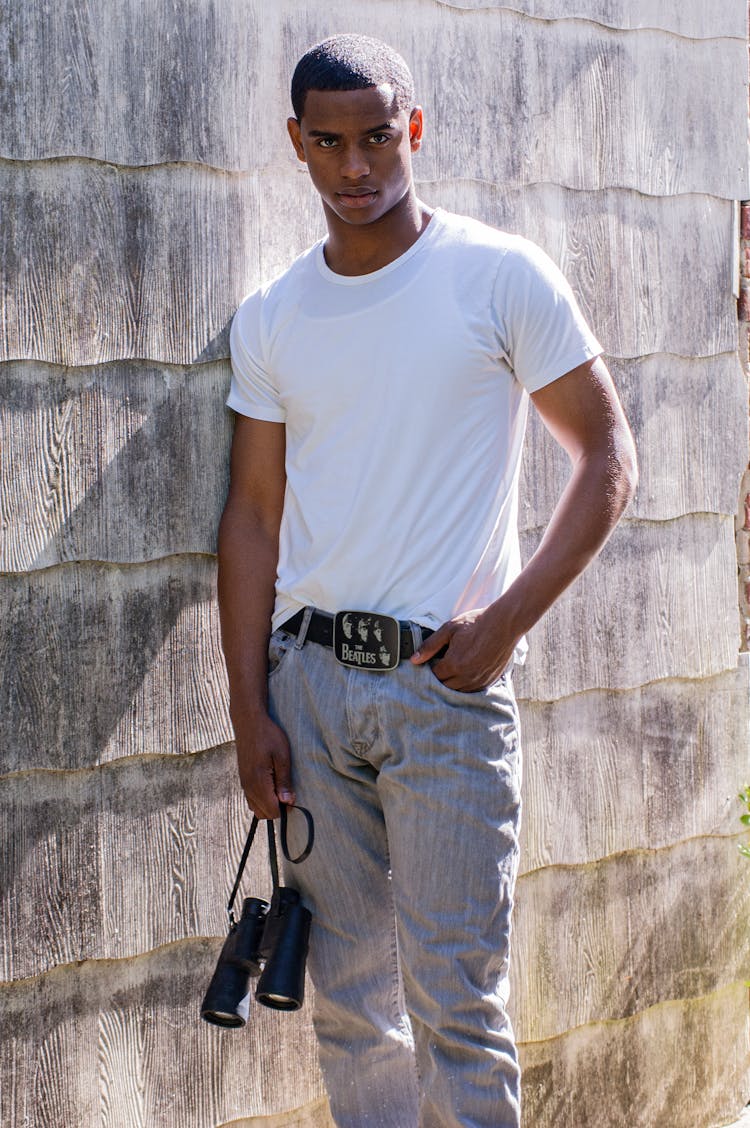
(468, 694)
(280, 645)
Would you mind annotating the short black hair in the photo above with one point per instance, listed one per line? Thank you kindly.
(351, 62)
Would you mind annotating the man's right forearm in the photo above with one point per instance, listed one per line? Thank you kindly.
(248, 557)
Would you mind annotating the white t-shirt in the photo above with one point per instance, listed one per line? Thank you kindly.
(404, 395)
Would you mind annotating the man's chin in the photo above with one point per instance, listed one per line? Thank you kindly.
(379, 209)
(359, 217)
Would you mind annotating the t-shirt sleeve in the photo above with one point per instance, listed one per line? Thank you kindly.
(253, 391)
(541, 330)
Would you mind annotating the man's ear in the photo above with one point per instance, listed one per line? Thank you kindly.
(295, 132)
(416, 125)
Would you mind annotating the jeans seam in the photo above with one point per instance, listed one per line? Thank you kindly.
(398, 984)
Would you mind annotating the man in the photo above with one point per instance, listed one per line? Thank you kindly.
(430, 331)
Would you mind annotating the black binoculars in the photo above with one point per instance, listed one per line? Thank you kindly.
(268, 943)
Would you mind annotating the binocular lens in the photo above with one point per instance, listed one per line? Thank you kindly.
(282, 982)
(227, 1001)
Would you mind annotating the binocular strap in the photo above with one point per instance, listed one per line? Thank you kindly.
(272, 855)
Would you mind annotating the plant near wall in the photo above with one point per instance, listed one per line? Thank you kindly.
(744, 796)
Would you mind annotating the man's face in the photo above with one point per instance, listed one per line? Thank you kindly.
(357, 146)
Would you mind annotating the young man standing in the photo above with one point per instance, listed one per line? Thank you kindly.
(381, 385)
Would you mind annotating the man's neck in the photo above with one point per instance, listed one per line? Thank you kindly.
(352, 250)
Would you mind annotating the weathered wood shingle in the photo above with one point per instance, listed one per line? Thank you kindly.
(104, 662)
(582, 105)
(123, 462)
(120, 1043)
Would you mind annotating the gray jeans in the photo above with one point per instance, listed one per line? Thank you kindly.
(415, 791)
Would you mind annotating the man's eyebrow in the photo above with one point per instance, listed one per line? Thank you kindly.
(330, 133)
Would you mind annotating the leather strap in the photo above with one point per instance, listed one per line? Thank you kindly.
(310, 834)
(320, 630)
(241, 869)
(272, 850)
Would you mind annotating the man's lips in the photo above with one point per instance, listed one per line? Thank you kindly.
(357, 197)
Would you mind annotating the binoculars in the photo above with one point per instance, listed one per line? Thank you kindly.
(269, 943)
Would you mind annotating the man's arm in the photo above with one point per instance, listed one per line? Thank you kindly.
(248, 558)
(583, 413)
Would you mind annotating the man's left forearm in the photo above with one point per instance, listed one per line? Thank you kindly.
(600, 487)
(583, 413)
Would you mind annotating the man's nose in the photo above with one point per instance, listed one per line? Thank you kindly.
(355, 164)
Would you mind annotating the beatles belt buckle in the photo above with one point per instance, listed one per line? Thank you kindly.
(366, 640)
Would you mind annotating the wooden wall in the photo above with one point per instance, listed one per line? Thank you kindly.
(145, 186)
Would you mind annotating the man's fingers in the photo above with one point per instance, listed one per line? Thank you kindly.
(433, 645)
(261, 798)
(266, 774)
(282, 774)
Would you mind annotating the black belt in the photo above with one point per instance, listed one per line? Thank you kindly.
(320, 630)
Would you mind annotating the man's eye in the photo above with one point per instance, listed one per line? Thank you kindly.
(327, 142)
(379, 138)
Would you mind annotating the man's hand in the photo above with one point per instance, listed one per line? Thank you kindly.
(264, 765)
(478, 650)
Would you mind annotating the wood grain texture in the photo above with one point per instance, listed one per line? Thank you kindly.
(677, 1065)
(123, 859)
(659, 602)
(676, 406)
(141, 84)
(121, 1044)
(125, 463)
(103, 662)
(72, 1038)
(315, 1115)
(132, 264)
(642, 770)
(152, 265)
(609, 772)
(573, 102)
(616, 936)
(695, 19)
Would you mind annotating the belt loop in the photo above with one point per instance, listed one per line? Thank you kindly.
(302, 633)
(416, 636)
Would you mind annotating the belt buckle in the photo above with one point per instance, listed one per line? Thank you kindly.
(367, 640)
